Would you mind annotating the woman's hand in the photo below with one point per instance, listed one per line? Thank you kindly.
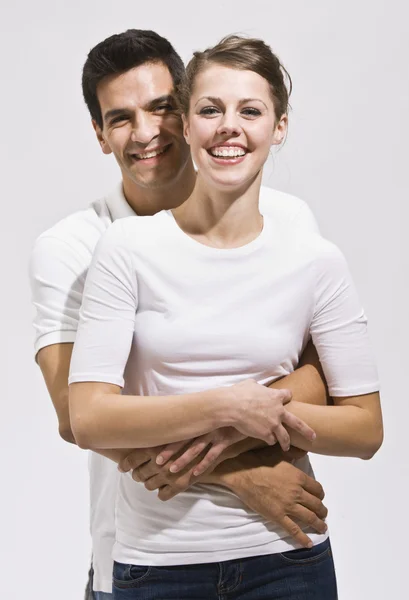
(260, 413)
(216, 441)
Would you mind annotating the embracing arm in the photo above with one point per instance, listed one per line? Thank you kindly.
(54, 362)
(352, 427)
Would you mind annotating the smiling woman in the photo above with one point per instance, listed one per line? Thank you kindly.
(190, 311)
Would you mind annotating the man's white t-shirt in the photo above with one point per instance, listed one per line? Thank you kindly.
(59, 264)
(163, 314)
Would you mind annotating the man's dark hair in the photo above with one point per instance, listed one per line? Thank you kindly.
(121, 52)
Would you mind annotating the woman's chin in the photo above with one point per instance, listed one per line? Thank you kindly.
(229, 182)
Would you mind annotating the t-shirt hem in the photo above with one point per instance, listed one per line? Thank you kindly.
(368, 388)
(102, 584)
(55, 337)
(125, 552)
(82, 377)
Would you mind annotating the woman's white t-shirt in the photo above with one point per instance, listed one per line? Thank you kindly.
(164, 314)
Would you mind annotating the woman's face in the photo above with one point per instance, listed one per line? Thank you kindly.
(231, 125)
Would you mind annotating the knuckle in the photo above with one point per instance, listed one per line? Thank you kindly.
(293, 529)
(135, 475)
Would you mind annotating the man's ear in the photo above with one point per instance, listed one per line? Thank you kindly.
(100, 137)
(280, 131)
(185, 122)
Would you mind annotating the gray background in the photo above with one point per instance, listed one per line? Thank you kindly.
(346, 155)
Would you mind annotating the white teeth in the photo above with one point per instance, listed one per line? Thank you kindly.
(232, 152)
(150, 154)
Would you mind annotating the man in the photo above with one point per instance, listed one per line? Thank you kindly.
(129, 84)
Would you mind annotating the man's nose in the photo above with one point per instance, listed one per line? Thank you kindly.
(145, 129)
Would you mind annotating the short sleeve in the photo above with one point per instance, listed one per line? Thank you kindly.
(339, 329)
(57, 276)
(107, 315)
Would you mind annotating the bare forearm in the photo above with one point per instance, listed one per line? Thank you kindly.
(112, 420)
(341, 430)
(305, 384)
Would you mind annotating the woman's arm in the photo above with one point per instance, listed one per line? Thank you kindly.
(101, 417)
(352, 427)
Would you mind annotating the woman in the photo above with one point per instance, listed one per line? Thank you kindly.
(183, 307)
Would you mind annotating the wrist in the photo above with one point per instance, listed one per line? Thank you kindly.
(225, 409)
(228, 474)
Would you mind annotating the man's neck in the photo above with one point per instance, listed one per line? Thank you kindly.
(148, 201)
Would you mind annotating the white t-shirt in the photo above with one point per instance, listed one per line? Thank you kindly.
(163, 314)
(59, 263)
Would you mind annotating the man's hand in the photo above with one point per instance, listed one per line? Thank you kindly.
(275, 489)
(264, 480)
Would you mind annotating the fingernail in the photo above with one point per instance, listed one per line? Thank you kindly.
(196, 473)
(313, 437)
(120, 469)
(309, 545)
(173, 469)
(159, 460)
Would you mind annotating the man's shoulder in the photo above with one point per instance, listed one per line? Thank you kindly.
(272, 200)
(287, 210)
(79, 232)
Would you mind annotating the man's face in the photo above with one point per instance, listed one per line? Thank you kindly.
(141, 125)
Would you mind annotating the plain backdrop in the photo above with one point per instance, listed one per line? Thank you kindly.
(346, 155)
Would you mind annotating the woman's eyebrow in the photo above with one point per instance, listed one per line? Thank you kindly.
(217, 100)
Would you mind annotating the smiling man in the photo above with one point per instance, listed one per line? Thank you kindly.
(130, 86)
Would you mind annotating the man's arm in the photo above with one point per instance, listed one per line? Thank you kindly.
(54, 362)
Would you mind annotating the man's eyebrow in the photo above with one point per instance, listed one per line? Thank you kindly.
(114, 112)
(165, 99)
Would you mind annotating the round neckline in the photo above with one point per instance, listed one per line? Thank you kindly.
(211, 250)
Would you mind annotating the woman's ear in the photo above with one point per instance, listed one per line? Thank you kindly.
(185, 121)
(280, 130)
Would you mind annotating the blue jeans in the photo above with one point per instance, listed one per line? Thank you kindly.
(295, 575)
(102, 596)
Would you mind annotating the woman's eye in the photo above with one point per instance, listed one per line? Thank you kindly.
(251, 112)
(209, 110)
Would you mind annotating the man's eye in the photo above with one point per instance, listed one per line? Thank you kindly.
(251, 112)
(164, 108)
(209, 110)
(118, 119)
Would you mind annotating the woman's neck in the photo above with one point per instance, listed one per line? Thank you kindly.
(221, 219)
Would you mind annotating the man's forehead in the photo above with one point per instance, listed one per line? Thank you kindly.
(136, 87)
